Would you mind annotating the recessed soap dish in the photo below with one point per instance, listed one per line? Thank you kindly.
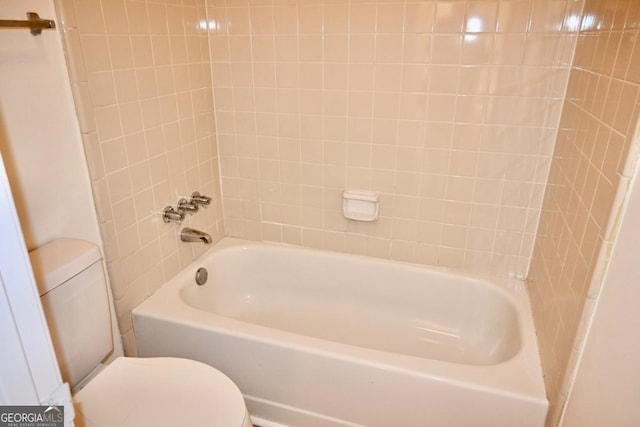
(360, 205)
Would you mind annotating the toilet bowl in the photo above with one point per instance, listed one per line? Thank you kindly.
(141, 392)
(160, 392)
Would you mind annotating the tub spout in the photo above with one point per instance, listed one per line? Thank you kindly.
(190, 235)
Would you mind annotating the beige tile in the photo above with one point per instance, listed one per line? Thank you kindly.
(513, 16)
(108, 122)
(362, 18)
(389, 48)
(95, 52)
(157, 14)
(285, 19)
(481, 17)
(548, 17)
(362, 48)
(90, 19)
(310, 18)
(310, 48)
(446, 48)
(335, 18)
(449, 17)
(324, 95)
(115, 17)
(138, 17)
(477, 49)
(419, 17)
(388, 78)
(336, 47)
(390, 18)
(130, 117)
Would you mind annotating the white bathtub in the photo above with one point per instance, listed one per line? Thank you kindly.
(317, 338)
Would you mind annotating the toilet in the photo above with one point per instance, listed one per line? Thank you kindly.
(163, 391)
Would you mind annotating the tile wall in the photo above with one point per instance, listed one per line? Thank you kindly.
(591, 161)
(449, 109)
(141, 76)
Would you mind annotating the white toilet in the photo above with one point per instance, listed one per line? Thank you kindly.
(129, 391)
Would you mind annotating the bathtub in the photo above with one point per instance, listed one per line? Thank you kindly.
(317, 338)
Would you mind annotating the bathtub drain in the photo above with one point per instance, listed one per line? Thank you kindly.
(201, 276)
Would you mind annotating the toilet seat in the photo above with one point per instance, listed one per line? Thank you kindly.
(160, 392)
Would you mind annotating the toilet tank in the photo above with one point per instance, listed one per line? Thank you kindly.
(74, 297)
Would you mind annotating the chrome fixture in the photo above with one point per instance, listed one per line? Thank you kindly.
(169, 214)
(199, 199)
(201, 276)
(190, 235)
(178, 212)
(186, 206)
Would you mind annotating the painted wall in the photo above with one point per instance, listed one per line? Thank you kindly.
(39, 135)
(140, 73)
(589, 178)
(448, 108)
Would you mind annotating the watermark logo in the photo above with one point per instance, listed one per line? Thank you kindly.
(32, 416)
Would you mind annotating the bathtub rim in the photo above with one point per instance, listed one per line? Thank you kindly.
(497, 378)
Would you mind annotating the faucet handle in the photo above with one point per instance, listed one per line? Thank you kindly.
(186, 206)
(170, 214)
(199, 199)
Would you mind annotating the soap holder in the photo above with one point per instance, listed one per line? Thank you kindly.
(360, 205)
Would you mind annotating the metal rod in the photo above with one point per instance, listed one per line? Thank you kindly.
(34, 22)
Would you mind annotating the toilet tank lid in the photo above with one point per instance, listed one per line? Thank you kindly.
(60, 260)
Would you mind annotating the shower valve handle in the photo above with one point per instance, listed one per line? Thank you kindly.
(186, 206)
(169, 214)
(199, 199)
